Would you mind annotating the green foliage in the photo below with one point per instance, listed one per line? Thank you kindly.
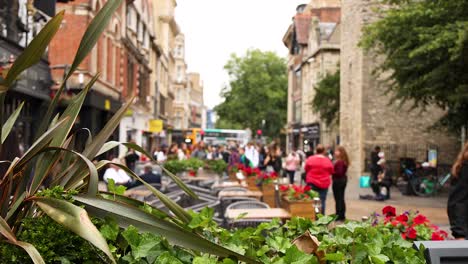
(326, 101)
(112, 188)
(218, 166)
(55, 244)
(425, 44)
(363, 243)
(257, 91)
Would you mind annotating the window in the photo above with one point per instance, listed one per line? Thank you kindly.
(162, 105)
(297, 111)
(143, 87)
(130, 77)
(298, 81)
(179, 74)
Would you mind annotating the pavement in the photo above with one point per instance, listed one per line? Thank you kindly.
(434, 208)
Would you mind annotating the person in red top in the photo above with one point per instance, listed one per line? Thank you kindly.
(340, 180)
(318, 169)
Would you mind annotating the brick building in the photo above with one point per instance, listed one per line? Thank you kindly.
(20, 22)
(313, 42)
(366, 117)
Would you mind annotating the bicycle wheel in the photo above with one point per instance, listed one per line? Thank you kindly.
(423, 185)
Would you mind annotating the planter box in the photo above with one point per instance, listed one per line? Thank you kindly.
(299, 208)
(251, 183)
(268, 191)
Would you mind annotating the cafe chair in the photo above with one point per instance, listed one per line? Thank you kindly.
(248, 205)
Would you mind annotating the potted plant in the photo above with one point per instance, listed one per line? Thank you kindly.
(251, 175)
(266, 182)
(297, 199)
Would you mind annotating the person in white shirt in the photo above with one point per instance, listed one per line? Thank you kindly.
(252, 154)
(119, 176)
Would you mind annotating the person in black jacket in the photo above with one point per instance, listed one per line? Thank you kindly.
(457, 208)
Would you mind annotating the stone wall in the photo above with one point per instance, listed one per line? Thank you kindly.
(367, 118)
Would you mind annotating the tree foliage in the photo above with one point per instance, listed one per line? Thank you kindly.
(257, 91)
(425, 43)
(326, 101)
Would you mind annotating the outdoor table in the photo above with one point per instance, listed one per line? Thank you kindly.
(256, 194)
(229, 184)
(196, 178)
(264, 213)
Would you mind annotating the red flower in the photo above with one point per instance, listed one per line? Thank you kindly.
(402, 218)
(437, 236)
(394, 223)
(419, 219)
(256, 171)
(411, 233)
(307, 188)
(403, 235)
(192, 173)
(284, 188)
(389, 211)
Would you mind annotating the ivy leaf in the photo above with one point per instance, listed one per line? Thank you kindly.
(335, 256)
(295, 256)
(167, 258)
(280, 244)
(110, 230)
(379, 259)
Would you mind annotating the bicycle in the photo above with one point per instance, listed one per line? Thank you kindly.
(425, 181)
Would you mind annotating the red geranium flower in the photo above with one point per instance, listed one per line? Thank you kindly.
(402, 218)
(436, 236)
(307, 188)
(284, 188)
(403, 235)
(412, 233)
(419, 219)
(389, 211)
(192, 173)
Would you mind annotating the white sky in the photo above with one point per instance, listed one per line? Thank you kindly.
(216, 28)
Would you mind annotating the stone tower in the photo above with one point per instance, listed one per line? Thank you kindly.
(366, 117)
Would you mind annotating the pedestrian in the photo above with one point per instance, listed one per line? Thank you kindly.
(181, 152)
(381, 186)
(115, 173)
(244, 160)
(273, 160)
(252, 154)
(224, 153)
(374, 167)
(340, 179)
(148, 176)
(457, 208)
(293, 162)
(200, 151)
(161, 154)
(173, 152)
(261, 157)
(234, 158)
(319, 170)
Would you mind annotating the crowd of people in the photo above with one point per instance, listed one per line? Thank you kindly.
(319, 170)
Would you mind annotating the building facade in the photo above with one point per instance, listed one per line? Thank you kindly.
(139, 35)
(20, 22)
(313, 42)
(196, 105)
(367, 119)
(181, 89)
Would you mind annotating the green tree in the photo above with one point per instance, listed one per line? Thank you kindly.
(425, 43)
(326, 101)
(257, 91)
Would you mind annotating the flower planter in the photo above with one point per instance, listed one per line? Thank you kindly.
(268, 191)
(251, 183)
(299, 208)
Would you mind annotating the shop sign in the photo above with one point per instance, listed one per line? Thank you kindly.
(107, 104)
(155, 125)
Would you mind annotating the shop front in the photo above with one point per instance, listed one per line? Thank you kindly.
(311, 136)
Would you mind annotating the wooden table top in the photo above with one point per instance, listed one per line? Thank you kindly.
(230, 184)
(256, 194)
(266, 213)
(196, 178)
